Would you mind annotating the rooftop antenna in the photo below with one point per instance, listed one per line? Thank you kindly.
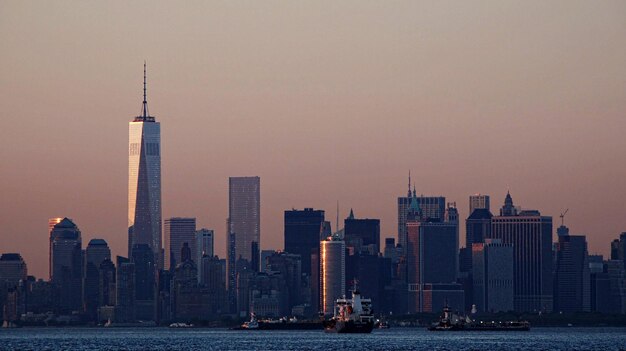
(145, 100)
(563, 217)
(337, 223)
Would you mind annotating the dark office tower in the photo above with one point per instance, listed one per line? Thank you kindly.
(493, 276)
(571, 288)
(214, 280)
(362, 234)
(477, 228)
(433, 207)
(67, 268)
(125, 291)
(106, 283)
(302, 234)
(432, 258)
(531, 236)
(178, 231)
(97, 251)
(256, 255)
(144, 180)
(145, 282)
(617, 285)
(12, 269)
(289, 266)
(479, 201)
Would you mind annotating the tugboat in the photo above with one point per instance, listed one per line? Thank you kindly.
(453, 322)
(252, 324)
(351, 315)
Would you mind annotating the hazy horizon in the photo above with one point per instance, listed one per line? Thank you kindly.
(325, 101)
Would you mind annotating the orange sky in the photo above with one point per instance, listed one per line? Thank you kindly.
(326, 101)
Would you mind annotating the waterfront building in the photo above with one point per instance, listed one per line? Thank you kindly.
(178, 231)
(492, 275)
(332, 272)
(530, 233)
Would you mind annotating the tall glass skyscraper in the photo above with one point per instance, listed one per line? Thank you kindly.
(144, 181)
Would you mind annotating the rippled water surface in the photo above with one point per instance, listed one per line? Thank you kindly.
(390, 339)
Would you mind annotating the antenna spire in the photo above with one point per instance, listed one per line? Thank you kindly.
(145, 100)
(409, 193)
(337, 220)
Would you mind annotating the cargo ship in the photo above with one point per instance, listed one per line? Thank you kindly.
(450, 321)
(351, 315)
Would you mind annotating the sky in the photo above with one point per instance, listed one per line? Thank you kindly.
(326, 101)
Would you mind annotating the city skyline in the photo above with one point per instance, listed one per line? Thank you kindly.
(319, 125)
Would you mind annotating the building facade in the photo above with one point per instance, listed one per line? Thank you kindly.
(332, 273)
(178, 231)
(492, 274)
(530, 233)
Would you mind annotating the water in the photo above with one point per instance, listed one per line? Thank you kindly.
(390, 339)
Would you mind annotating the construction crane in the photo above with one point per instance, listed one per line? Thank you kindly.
(563, 217)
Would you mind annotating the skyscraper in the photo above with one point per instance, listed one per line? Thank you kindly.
(67, 264)
(244, 213)
(243, 226)
(97, 251)
(572, 275)
(144, 181)
(178, 231)
(125, 291)
(302, 234)
(493, 275)
(204, 247)
(333, 273)
(432, 256)
(531, 236)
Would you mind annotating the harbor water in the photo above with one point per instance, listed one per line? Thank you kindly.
(383, 339)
